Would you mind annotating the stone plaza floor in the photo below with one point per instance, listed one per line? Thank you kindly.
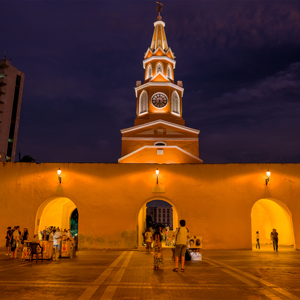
(129, 275)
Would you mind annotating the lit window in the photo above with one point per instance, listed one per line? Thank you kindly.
(149, 72)
(169, 72)
(143, 103)
(175, 103)
(159, 68)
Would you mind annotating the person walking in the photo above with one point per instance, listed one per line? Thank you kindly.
(275, 240)
(8, 240)
(148, 239)
(257, 240)
(181, 237)
(158, 258)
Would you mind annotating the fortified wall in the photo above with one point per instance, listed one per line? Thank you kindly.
(216, 200)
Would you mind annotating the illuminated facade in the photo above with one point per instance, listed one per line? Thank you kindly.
(159, 134)
(225, 204)
(11, 90)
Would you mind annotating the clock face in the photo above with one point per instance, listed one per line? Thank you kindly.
(159, 100)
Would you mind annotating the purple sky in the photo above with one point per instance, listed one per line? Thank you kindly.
(239, 62)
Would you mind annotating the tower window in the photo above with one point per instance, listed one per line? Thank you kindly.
(175, 103)
(159, 68)
(143, 103)
(149, 72)
(169, 72)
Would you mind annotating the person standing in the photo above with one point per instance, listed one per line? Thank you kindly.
(158, 258)
(24, 237)
(8, 240)
(181, 237)
(148, 239)
(275, 240)
(257, 240)
(57, 239)
(15, 242)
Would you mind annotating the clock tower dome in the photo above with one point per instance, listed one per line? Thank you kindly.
(159, 134)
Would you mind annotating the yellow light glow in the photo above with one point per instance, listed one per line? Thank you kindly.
(268, 173)
(157, 172)
(57, 213)
(59, 172)
(266, 215)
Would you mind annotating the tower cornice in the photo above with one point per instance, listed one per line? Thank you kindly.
(148, 84)
(147, 60)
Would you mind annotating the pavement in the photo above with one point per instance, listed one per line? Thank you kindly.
(106, 275)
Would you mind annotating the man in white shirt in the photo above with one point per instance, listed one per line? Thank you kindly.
(181, 237)
(148, 239)
(56, 238)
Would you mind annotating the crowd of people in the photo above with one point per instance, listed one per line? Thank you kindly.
(15, 238)
(155, 238)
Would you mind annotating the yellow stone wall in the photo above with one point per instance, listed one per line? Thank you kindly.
(215, 200)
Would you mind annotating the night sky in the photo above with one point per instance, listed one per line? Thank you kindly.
(239, 62)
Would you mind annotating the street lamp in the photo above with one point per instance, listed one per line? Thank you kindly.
(157, 173)
(58, 174)
(268, 175)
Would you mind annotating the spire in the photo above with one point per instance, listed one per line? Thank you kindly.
(159, 36)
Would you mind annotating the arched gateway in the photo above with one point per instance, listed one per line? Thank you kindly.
(141, 219)
(267, 214)
(54, 212)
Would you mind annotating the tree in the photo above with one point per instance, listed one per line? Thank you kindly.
(27, 158)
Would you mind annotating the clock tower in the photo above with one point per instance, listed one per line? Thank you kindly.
(159, 134)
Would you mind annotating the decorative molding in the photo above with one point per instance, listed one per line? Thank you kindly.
(155, 139)
(159, 23)
(160, 121)
(159, 73)
(165, 147)
(170, 60)
(170, 84)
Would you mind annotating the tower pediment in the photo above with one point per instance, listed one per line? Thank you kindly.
(159, 77)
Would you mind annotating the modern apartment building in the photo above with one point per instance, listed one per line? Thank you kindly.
(11, 90)
(162, 215)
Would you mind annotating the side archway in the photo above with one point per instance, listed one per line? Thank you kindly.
(54, 212)
(267, 214)
(141, 219)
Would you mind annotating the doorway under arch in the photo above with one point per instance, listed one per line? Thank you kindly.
(54, 212)
(142, 223)
(267, 214)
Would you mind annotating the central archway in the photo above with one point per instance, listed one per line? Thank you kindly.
(267, 214)
(54, 212)
(141, 224)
